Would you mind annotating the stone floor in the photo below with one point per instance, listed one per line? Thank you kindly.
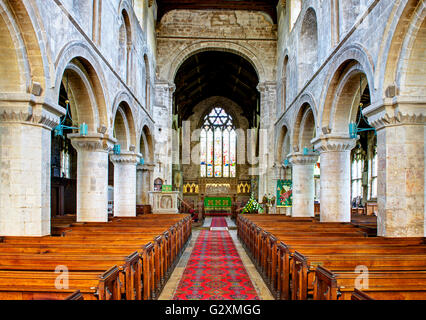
(258, 283)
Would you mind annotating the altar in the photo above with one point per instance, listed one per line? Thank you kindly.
(217, 204)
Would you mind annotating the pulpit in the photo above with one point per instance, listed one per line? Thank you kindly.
(164, 202)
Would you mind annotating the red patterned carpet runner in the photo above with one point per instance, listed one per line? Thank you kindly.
(218, 222)
(215, 271)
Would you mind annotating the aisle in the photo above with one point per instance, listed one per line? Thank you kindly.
(217, 268)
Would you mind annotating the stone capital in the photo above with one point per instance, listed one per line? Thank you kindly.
(298, 158)
(126, 157)
(333, 143)
(28, 109)
(93, 142)
(146, 167)
(397, 111)
(166, 86)
(266, 86)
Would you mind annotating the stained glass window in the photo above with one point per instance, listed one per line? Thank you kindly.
(218, 143)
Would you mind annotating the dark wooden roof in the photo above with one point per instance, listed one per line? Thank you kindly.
(216, 73)
(266, 6)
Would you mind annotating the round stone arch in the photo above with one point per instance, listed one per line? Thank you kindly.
(123, 97)
(284, 79)
(352, 58)
(285, 54)
(411, 61)
(283, 144)
(305, 124)
(342, 101)
(396, 48)
(305, 99)
(124, 126)
(146, 144)
(172, 68)
(126, 6)
(83, 104)
(307, 52)
(24, 67)
(90, 67)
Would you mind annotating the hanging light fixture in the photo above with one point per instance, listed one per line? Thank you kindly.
(307, 151)
(354, 127)
(117, 149)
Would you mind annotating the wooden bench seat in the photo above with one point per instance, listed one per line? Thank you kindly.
(274, 247)
(280, 268)
(41, 285)
(95, 247)
(382, 285)
(303, 266)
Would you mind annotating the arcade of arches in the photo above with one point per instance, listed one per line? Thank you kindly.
(106, 103)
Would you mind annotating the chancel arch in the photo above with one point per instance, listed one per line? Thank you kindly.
(216, 101)
(170, 71)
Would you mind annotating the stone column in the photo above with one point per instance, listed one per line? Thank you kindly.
(400, 124)
(303, 184)
(139, 185)
(268, 97)
(125, 183)
(335, 183)
(92, 176)
(144, 183)
(163, 117)
(25, 170)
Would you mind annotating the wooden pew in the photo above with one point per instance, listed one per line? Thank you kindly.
(276, 243)
(303, 266)
(76, 296)
(359, 295)
(129, 266)
(382, 285)
(40, 285)
(118, 238)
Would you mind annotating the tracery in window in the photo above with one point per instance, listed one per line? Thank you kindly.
(218, 144)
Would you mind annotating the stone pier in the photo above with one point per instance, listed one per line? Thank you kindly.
(335, 183)
(303, 184)
(125, 183)
(92, 176)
